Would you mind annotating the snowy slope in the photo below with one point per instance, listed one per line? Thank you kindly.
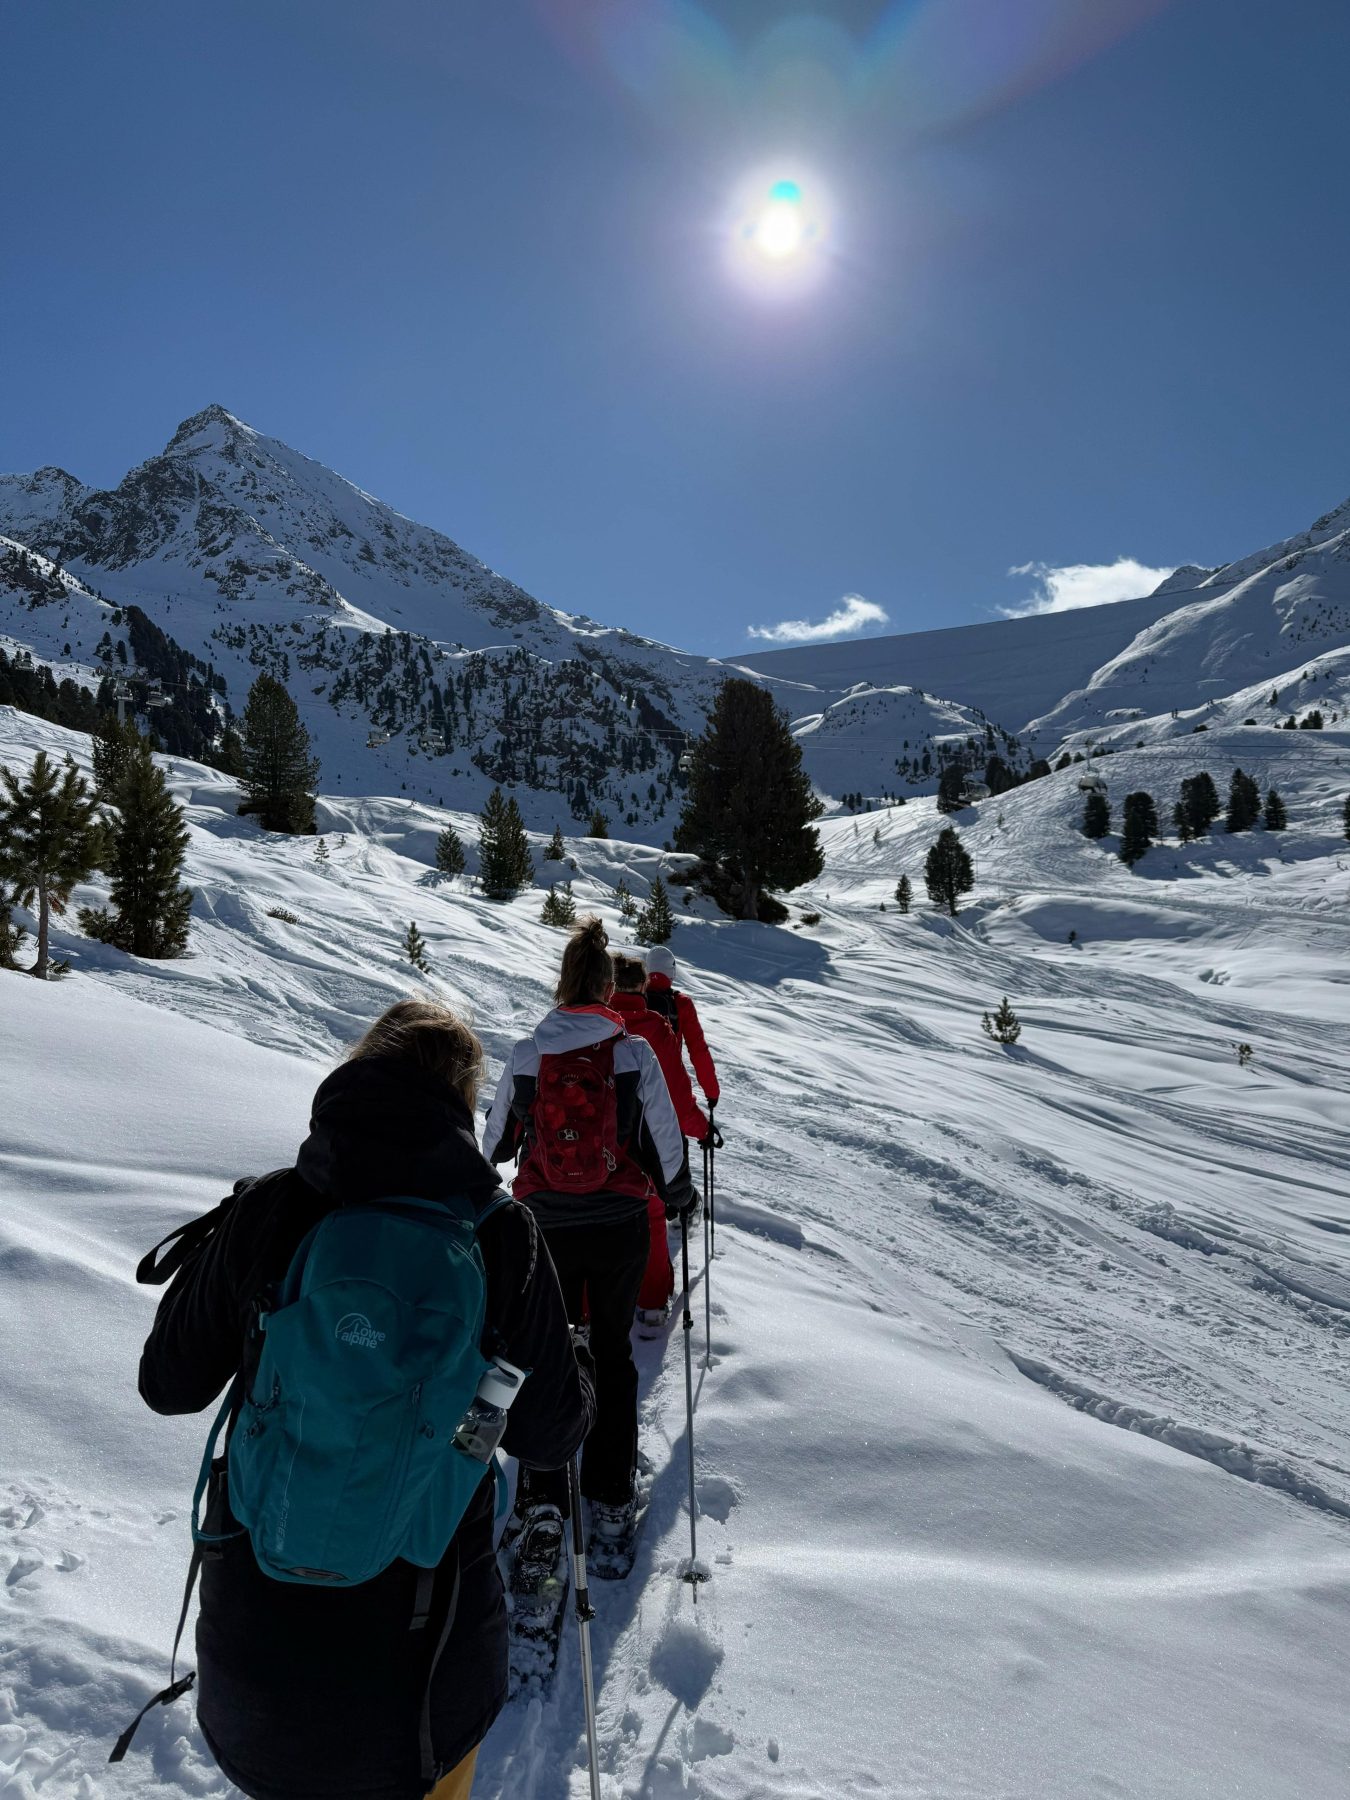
(893, 742)
(952, 1274)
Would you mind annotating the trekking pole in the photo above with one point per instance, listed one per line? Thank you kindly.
(712, 1176)
(585, 1613)
(707, 1262)
(693, 1574)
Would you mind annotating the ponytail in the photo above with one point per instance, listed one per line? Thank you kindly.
(587, 973)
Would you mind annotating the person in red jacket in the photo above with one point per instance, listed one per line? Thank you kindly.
(681, 1015)
(629, 1002)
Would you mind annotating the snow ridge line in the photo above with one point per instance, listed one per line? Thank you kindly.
(1229, 1454)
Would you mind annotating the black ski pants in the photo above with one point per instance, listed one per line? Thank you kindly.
(605, 1263)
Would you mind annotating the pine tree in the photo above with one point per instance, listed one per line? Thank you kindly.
(1275, 817)
(414, 947)
(1140, 829)
(556, 850)
(449, 852)
(598, 827)
(559, 907)
(1003, 1025)
(1200, 799)
(113, 745)
(147, 843)
(321, 852)
(749, 807)
(50, 839)
(655, 922)
(1244, 803)
(1181, 823)
(279, 770)
(504, 863)
(1096, 816)
(904, 894)
(948, 872)
(951, 787)
(623, 899)
(1345, 816)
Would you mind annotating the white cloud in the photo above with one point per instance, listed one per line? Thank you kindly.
(851, 614)
(1082, 584)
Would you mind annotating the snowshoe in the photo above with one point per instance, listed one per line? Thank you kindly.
(537, 1584)
(611, 1549)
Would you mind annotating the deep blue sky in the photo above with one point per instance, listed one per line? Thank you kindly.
(1086, 302)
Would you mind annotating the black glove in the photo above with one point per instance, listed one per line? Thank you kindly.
(681, 1199)
(712, 1139)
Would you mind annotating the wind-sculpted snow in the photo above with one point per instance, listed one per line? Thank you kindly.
(931, 1577)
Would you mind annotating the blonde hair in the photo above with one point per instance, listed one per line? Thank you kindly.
(587, 973)
(427, 1035)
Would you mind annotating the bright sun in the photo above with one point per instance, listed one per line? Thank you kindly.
(778, 232)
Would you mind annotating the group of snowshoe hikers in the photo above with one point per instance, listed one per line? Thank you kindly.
(369, 1313)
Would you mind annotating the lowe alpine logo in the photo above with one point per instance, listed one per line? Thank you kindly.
(356, 1329)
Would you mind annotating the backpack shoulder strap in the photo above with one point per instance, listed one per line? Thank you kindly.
(187, 1242)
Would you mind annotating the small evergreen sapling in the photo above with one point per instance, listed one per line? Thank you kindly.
(598, 825)
(449, 852)
(556, 849)
(414, 947)
(904, 894)
(1003, 1025)
(1096, 816)
(1345, 816)
(1244, 1055)
(559, 907)
(623, 899)
(321, 852)
(948, 871)
(1275, 817)
(655, 922)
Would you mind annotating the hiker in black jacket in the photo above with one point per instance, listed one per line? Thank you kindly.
(306, 1693)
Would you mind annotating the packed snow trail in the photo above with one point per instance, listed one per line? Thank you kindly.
(984, 1324)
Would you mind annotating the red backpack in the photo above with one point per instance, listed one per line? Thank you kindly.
(576, 1119)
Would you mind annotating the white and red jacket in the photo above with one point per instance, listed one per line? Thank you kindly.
(650, 1138)
(681, 1014)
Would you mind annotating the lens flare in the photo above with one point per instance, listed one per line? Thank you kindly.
(778, 232)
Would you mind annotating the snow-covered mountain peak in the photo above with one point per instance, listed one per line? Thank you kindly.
(212, 428)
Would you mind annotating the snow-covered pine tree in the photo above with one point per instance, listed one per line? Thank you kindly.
(559, 907)
(904, 894)
(1244, 803)
(556, 850)
(1003, 1025)
(655, 922)
(449, 852)
(1140, 828)
(1096, 816)
(414, 947)
(321, 852)
(50, 839)
(504, 863)
(948, 871)
(1275, 817)
(279, 769)
(147, 842)
(623, 899)
(749, 805)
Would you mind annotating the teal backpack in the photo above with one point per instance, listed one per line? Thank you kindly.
(357, 1371)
